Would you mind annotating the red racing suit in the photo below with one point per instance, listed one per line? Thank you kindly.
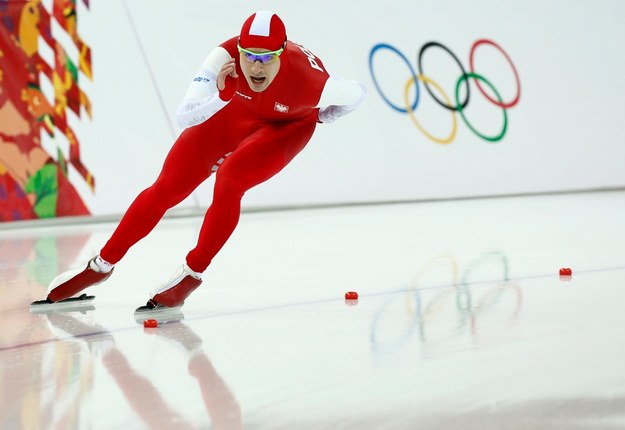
(246, 140)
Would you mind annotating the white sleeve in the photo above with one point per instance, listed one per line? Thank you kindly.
(339, 97)
(202, 98)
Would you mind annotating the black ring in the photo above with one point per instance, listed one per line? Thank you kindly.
(427, 87)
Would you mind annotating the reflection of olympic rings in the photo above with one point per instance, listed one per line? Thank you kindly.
(422, 304)
(443, 99)
(414, 309)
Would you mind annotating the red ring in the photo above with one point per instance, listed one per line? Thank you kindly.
(516, 74)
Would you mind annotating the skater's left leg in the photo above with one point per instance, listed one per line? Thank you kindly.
(258, 158)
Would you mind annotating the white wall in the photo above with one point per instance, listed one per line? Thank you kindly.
(566, 132)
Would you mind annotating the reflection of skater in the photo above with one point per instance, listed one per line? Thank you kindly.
(247, 130)
(38, 389)
(146, 401)
(223, 408)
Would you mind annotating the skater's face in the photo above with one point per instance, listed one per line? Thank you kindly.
(259, 66)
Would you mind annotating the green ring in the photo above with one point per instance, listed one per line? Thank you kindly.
(505, 115)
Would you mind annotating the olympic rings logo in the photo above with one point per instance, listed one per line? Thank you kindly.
(443, 99)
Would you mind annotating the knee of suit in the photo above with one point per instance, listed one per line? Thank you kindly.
(228, 184)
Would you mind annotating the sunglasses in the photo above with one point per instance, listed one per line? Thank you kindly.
(263, 57)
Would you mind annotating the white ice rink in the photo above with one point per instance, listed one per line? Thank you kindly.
(462, 323)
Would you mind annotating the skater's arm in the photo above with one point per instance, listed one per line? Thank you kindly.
(210, 90)
(339, 97)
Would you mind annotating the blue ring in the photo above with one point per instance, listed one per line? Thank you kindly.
(375, 81)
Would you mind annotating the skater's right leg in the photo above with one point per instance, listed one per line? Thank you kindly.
(188, 164)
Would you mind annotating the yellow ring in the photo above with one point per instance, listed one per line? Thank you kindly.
(442, 259)
(454, 126)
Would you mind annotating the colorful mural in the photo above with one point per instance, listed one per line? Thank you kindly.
(35, 183)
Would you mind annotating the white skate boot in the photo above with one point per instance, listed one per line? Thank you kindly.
(63, 289)
(173, 293)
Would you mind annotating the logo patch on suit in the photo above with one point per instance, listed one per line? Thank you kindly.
(279, 107)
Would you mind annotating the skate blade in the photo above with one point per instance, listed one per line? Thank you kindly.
(80, 303)
(162, 315)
